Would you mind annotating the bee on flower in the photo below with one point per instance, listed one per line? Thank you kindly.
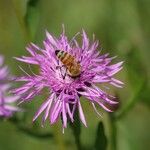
(69, 61)
(68, 71)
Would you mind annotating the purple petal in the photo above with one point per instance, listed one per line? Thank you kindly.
(48, 107)
(11, 99)
(28, 60)
(69, 112)
(55, 111)
(12, 108)
(40, 110)
(96, 109)
(1, 60)
(85, 42)
(51, 39)
(64, 114)
(81, 114)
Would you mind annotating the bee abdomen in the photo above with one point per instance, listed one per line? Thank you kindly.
(64, 57)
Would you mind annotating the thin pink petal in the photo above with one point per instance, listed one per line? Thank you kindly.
(40, 110)
(81, 114)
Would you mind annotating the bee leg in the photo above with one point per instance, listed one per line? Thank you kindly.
(59, 66)
(63, 73)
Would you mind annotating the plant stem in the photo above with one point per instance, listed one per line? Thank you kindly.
(112, 131)
(58, 138)
(76, 136)
(76, 129)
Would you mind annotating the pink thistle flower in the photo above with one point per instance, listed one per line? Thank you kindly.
(65, 91)
(7, 107)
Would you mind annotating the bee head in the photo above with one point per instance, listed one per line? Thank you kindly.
(56, 52)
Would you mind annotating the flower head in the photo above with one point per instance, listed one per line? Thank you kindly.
(6, 101)
(56, 75)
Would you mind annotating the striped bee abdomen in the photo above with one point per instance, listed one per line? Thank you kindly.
(64, 57)
(69, 61)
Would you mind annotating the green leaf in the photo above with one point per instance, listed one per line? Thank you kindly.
(32, 17)
(20, 9)
(28, 17)
(101, 140)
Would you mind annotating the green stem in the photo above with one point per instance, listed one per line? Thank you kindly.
(76, 129)
(78, 143)
(112, 131)
(58, 138)
(76, 136)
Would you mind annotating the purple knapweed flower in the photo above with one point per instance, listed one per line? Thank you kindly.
(65, 91)
(7, 107)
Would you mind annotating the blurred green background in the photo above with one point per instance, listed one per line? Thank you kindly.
(123, 28)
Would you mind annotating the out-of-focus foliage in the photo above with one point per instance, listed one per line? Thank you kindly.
(101, 140)
(122, 28)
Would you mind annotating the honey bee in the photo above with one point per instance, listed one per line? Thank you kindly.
(72, 65)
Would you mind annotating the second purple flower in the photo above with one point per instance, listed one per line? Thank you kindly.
(7, 101)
